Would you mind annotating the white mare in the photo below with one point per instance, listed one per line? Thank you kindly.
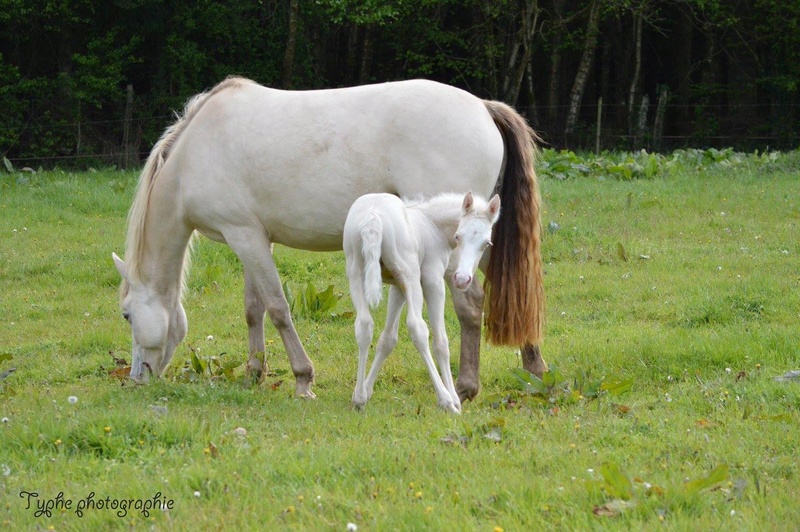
(413, 242)
(251, 166)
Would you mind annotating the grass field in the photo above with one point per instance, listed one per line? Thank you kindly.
(686, 286)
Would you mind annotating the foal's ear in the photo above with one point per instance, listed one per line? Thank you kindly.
(466, 206)
(493, 209)
(122, 268)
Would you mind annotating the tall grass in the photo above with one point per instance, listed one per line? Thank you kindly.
(685, 283)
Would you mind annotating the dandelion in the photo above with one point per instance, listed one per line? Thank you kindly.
(418, 495)
(197, 494)
(58, 441)
(728, 370)
(72, 399)
(209, 338)
(498, 529)
(107, 429)
(351, 527)
(5, 420)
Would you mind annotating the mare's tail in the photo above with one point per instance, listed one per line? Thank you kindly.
(371, 242)
(513, 284)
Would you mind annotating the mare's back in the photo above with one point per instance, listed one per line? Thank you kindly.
(296, 160)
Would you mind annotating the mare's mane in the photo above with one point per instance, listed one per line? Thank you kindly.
(137, 216)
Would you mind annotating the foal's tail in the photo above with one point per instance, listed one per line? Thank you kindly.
(513, 286)
(371, 242)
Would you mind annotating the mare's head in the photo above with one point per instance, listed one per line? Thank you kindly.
(473, 236)
(158, 323)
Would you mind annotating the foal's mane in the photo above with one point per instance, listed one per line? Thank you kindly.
(152, 168)
(441, 205)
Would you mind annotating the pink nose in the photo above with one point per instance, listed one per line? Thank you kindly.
(461, 280)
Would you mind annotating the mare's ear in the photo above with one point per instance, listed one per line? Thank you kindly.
(122, 268)
(466, 206)
(493, 210)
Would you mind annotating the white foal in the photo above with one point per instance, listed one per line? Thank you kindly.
(412, 242)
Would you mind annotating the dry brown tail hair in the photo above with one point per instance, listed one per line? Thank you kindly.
(514, 288)
(155, 162)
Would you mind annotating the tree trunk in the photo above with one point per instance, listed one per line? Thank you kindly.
(515, 72)
(555, 69)
(291, 41)
(578, 88)
(637, 68)
(366, 56)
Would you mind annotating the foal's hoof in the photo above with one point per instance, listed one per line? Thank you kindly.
(450, 407)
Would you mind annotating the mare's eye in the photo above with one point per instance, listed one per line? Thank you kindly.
(127, 316)
(457, 237)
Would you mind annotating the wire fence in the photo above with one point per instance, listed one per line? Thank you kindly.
(103, 142)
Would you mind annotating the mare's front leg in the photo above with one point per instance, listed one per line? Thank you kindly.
(254, 310)
(469, 309)
(253, 248)
(433, 287)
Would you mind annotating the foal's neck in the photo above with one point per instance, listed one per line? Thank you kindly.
(443, 212)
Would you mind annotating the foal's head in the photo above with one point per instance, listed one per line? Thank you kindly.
(473, 236)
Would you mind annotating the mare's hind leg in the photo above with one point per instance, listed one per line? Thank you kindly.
(254, 310)
(469, 309)
(532, 360)
(253, 249)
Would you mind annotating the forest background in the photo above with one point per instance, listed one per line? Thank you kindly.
(85, 82)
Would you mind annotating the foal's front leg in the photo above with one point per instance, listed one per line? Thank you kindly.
(419, 335)
(433, 287)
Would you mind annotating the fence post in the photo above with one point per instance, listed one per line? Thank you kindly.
(599, 123)
(661, 110)
(641, 128)
(127, 146)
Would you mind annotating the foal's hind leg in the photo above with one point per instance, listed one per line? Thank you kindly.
(388, 338)
(253, 249)
(363, 329)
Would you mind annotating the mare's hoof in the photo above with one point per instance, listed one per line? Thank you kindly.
(466, 391)
(304, 392)
(255, 371)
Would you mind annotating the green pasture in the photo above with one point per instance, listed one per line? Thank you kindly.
(673, 303)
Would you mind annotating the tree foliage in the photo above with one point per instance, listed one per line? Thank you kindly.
(730, 70)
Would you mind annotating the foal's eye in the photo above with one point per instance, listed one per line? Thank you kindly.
(127, 316)
(487, 244)
(457, 237)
